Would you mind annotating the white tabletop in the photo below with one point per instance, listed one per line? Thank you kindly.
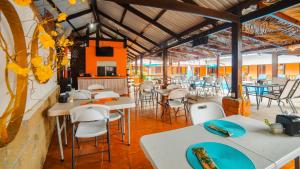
(60, 109)
(167, 149)
(277, 148)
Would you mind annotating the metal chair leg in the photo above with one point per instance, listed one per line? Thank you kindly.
(73, 140)
(108, 140)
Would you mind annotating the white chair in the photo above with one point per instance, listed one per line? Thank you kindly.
(176, 100)
(173, 86)
(146, 93)
(106, 94)
(284, 94)
(89, 121)
(295, 95)
(202, 112)
(112, 116)
(95, 87)
(81, 94)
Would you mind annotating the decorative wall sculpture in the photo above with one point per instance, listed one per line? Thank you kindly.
(23, 62)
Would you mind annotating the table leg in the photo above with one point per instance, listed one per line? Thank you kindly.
(65, 130)
(297, 163)
(123, 123)
(128, 121)
(256, 96)
(59, 138)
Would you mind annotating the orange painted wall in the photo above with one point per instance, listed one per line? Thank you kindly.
(202, 71)
(120, 56)
(252, 71)
(228, 70)
(269, 71)
(292, 69)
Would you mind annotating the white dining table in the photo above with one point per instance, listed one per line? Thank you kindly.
(167, 150)
(62, 110)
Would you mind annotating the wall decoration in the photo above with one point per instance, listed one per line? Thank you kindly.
(24, 62)
(11, 119)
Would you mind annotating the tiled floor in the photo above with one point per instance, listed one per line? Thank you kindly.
(131, 157)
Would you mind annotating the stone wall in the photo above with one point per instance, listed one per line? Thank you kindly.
(29, 149)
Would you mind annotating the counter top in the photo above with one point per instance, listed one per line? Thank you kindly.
(104, 77)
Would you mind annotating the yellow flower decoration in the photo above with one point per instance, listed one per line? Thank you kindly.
(54, 33)
(23, 2)
(36, 61)
(65, 61)
(46, 40)
(58, 25)
(18, 69)
(41, 28)
(44, 73)
(72, 2)
(62, 17)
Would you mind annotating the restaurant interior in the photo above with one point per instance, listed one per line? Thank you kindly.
(143, 84)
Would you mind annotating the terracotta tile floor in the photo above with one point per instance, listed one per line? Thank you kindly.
(123, 156)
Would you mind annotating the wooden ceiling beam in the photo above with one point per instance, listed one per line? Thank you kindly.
(123, 15)
(94, 9)
(78, 14)
(120, 34)
(148, 19)
(184, 7)
(127, 28)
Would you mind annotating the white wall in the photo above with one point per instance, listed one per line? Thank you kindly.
(35, 91)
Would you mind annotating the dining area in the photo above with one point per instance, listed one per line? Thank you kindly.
(140, 84)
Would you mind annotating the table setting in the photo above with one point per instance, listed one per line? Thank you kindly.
(228, 143)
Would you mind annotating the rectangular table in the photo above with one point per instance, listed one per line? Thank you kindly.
(62, 109)
(168, 149)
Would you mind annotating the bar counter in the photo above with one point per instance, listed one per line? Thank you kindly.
(116, 83)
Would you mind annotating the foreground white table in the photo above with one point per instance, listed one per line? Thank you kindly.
(62, 109)
(167, 149)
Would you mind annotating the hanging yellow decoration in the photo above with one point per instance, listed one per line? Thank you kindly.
(46, 40)
(36, 61)
(72, 2)
(23, 2)
(18, 69)
(62, 17)
(53, 33)
(44, 73)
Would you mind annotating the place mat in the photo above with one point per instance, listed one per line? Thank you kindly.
(100, 101)
(233, 128)
(224, 156)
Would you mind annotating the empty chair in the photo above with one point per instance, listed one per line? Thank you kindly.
(148, 82)
(146, 93)
(112, 116)
(295, 94)
(202, 112)
(176, 100)
(89, 121)
(106, 94)
(95, 87)
(173, 86)
(284, 94)
(81, 94)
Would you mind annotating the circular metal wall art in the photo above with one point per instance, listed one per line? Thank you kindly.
(11, 119)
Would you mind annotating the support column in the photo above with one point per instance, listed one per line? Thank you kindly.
(141, 68)
(165, 66)
(236, 75)
(135, 66)
(218, 66)
(274, 64)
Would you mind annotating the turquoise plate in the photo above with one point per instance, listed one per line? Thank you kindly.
(235, 129)
(224, 156)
